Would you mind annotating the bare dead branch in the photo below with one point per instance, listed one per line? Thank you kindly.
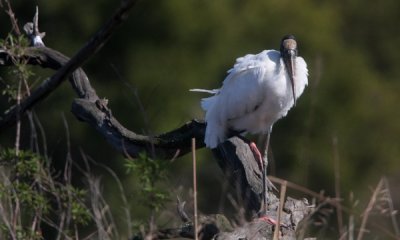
(93, 110)
(13, 19)
(32, 31)
(166, 146)
(180, 207)
(90, 48)
(46, 58)
(368, 209)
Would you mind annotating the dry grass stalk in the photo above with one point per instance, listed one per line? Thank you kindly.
(368, 210)
(281, 204)
(194, 188)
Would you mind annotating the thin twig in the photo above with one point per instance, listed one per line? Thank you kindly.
(32, 31)
(391, 209)
(351, 218)
(42, 133)
(18, 130)
(100, 211)
(13, 19)
(67, 167)
(180, 207)
(34, 143)
(369, 209)
(281, 204)
(145, 117)
(194, 188)
(6, 210)
(351, 227)
(67, 174)
(297, 187)
(319, 196)
(126, 207)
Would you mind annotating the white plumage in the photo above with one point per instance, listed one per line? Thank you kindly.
(255, 94)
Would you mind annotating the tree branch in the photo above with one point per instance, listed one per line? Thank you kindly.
(11, 15)
(91, 47)
(165, 146)
(32, 31)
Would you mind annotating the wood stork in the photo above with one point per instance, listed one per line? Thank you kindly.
(258, 90)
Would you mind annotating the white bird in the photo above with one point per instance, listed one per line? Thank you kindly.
(258, 90)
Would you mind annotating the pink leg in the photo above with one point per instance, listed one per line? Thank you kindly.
(257, 155)
(260, 163)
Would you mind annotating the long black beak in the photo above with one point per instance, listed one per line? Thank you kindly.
(289, 58)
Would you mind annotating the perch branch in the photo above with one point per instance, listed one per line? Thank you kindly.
(93, 110)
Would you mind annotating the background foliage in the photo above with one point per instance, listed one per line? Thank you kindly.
(168, 47)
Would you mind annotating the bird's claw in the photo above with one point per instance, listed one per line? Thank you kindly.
(271, 221)
(268, 220)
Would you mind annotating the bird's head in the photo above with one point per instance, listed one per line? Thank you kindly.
(289, 53)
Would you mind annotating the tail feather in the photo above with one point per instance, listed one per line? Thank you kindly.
(215, 134)
(207, 103)
(215, 130)
(213, 91)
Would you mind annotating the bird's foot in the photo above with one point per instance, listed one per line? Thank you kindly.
(257, 155)
(268, 219)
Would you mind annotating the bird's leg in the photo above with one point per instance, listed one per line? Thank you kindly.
(263, 159)
(257, 156)
(265, 164)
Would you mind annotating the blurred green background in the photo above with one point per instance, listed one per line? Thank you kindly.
(167, 47)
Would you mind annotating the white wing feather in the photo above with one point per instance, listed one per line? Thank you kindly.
(241, 93)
